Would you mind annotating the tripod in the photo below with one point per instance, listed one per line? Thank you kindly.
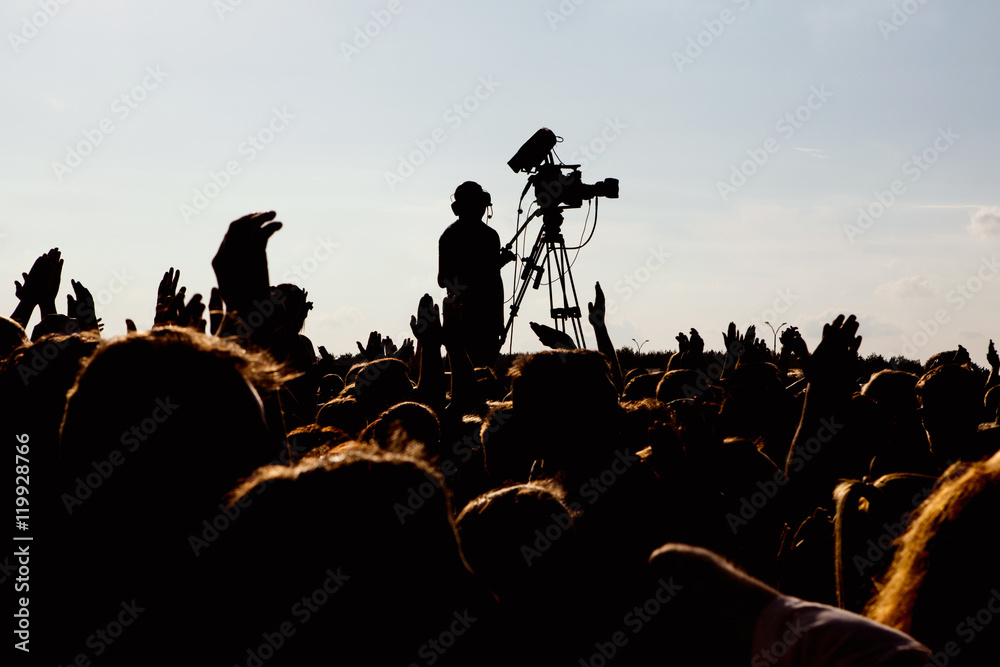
(549, 244)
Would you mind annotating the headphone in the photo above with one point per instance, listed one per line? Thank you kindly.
(470, 194)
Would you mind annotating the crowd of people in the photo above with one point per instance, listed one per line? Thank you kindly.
(214, 490)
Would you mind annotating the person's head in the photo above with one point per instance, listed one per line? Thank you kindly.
(329, 388)
(471, 201)
(380, 385)
(894, 391)
(295, 303)
(945, 569)
(959, 356)
(951, 401)
(380, 523)
(566, 405)
(343, 413)
(167, 397)
(521, 541)
(680, 384)
(641, 386)
(406, 421)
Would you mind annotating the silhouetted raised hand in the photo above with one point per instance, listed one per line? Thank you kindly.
(994, 361)
(40, 287)
(166, 295)
(552, 337)
(426, 328)
(597, 308)
(240, 264)
(406, 351)
(375, 349)
(745, 348)
(82, 308)
(834, 361)
(170, 306)
(426, 324)
(596, 311)
(792, 340)
(690, 352)
(389, 348)
(792, 346)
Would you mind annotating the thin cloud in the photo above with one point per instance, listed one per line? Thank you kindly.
(814, 152)
(985, 222)
(910, 287)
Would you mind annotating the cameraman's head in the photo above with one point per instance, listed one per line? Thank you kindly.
(471, 201)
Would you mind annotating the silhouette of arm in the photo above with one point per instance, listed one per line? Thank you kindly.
(426, 327)
(552, 338)
(82, 308)
(596, 311)
(831, 381)
(170, 306)
(994, 360)
(240, 267)
(792, 346)
(41, 284)
(374, 349)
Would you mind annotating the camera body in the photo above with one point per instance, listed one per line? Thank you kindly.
(556, 185)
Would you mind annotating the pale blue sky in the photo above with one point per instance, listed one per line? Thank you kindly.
(779, 246)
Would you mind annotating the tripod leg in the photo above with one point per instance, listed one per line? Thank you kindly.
(558, 247)
(577, 324)
(531, 266)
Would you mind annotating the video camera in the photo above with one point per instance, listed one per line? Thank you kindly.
(553, 187)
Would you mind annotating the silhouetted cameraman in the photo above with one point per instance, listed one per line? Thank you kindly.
(469, 266)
